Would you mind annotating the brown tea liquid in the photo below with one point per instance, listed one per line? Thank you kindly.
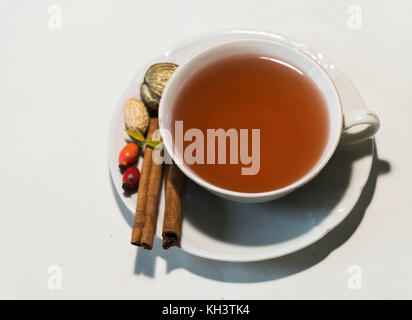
(249, 91)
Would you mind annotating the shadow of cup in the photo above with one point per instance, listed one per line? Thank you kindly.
(275, 221)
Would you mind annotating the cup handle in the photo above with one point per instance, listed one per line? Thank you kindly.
(358, 117)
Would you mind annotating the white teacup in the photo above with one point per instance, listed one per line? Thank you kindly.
(339, 123)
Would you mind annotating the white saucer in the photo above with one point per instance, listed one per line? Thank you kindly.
(219, 229)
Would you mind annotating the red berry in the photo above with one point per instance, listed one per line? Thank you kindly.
(128, 155)
(130, 179)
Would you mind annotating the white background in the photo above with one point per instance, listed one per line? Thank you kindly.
(58, 89)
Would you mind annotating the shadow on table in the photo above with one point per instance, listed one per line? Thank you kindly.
(261, 270)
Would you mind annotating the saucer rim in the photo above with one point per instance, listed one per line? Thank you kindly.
(290, 246)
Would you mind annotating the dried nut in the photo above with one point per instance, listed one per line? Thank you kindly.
(157, 76)
(136, 117)
(149, 98)
(154, 83)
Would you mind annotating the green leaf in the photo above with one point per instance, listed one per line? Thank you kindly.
(159, 146)
(135, 135)
(154, 143)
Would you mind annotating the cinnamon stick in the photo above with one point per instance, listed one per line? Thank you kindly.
(172, 218)
(153, 191)
(138, 223)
